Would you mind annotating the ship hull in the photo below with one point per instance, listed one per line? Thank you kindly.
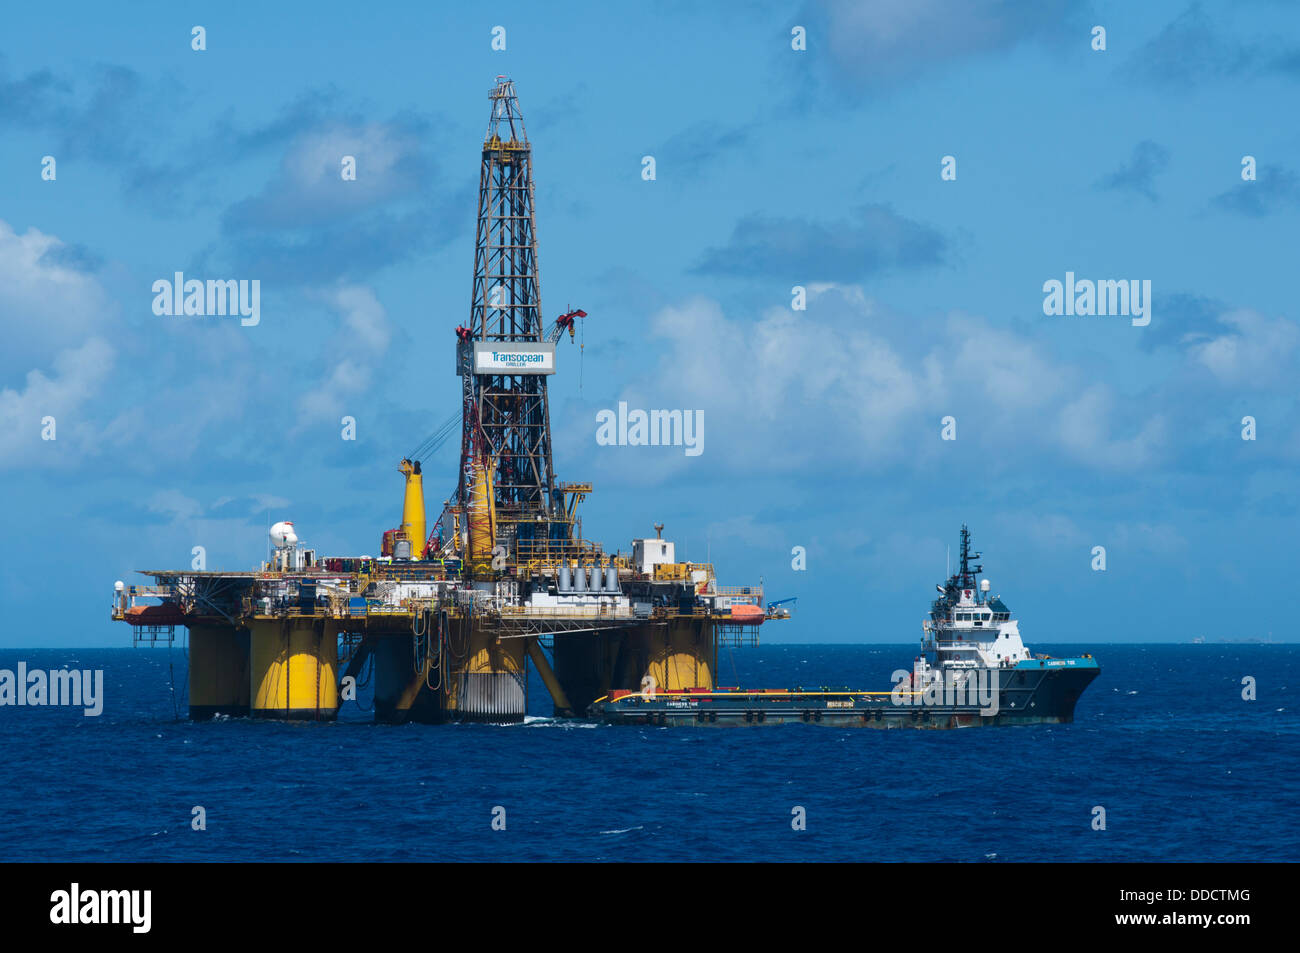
(1037, 692)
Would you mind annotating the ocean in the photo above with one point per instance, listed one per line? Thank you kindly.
(1184, 768)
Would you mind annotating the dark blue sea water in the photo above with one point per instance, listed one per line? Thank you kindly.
(1185, 769)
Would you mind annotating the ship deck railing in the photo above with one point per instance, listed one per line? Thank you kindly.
(790, 694)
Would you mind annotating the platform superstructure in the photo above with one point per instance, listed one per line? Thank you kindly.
(447, 618)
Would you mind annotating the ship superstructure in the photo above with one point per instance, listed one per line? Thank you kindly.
(967, 629)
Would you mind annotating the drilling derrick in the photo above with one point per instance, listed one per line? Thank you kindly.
(506, 483)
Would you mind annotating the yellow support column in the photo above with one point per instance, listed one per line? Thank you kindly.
(684, 657)
(218, 671)
(488, 682)
(294, 669)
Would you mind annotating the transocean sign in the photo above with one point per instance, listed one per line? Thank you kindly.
(492, 357)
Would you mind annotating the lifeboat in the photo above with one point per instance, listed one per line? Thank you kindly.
(169, 613)
(747, 614)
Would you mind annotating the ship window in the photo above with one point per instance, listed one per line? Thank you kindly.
(987, 616)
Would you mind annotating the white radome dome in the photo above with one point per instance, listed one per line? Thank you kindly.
(282, 535)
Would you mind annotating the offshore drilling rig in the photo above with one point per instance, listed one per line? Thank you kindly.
(445, 622)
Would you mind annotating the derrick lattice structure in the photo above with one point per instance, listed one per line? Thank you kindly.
(506, 422)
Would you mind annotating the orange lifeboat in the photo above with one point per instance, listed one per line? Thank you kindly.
(747, 614)
(169, 613)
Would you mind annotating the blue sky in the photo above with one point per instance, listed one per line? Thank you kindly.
(774, 168)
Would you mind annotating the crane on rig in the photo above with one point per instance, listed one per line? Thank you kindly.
(565, 323)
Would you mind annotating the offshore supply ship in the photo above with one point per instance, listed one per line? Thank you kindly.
(444, 622)
(973, 669)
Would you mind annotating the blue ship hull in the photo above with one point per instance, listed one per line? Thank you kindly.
(1039, 691)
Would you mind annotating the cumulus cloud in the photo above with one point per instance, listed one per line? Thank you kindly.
(310, 226)
(1138, 174)
(1182, 319)
(1192, 48)
(175, 506)
(888, 41)
(1251, 350)
(78, 374)
(50, 301)
(857, 388)
(357, 351)
(876, 240)
(1085, 429)
(57, 316)
(1275, 189)
(309, 189)
(695, 149)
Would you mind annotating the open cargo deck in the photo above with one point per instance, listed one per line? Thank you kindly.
(1038, 691)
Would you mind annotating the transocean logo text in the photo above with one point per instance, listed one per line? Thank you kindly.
(517, 357)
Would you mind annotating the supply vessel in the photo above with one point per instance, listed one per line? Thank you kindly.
(973, 669)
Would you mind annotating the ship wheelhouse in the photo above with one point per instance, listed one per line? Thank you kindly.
(968, 628)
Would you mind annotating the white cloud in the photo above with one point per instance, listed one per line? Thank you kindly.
(1257, 350)
(889, 40)
(78, 374)
(176, 506)
(1085, 430)
(357, 351)
(49, 305)
(846, 385)
(772, 378)
(309, 188)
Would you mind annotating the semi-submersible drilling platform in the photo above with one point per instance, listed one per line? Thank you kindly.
(444, 624)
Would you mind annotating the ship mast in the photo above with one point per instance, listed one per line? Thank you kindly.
(967, 574)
